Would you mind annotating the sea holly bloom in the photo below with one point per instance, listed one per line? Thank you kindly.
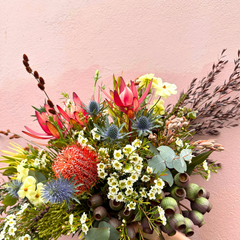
(127, 98)
(43, 119)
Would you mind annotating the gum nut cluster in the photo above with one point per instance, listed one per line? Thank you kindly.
(198, 197)
(101, 208)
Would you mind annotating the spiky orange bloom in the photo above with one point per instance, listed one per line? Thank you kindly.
(78, 161)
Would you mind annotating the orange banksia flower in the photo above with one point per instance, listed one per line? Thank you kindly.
(78, 161)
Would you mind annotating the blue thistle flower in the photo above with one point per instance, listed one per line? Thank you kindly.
(93, 108)
(13, 188)
(59, 190)
(145, 123)
(111, 132)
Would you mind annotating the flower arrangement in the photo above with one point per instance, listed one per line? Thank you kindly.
(121, 159)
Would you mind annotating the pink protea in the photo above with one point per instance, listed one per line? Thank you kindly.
(127, 98)
(78, 161)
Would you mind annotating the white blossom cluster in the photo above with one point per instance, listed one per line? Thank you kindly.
(83, 222)
(205, 167)
(10, 229)
(126, 169)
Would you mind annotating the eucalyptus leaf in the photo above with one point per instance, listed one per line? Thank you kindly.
(186, 154)
(98, 234)
(169, 164)
(114, 234)
(38, 175)
(166, 153)
(180, 165)
(157, 164)
(168, 177)
(153, 149)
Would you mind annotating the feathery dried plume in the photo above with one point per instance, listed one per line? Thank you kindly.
(214, 108)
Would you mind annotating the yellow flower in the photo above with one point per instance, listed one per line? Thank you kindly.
(164, 89)
(22, 173)
(159, 107)
(35, 196)
(145, 80)
(28, 185)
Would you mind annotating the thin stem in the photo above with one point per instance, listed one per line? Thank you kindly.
(184, 206)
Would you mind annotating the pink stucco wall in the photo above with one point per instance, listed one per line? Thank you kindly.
(68, 40)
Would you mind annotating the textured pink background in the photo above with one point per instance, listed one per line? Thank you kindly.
(67, 41)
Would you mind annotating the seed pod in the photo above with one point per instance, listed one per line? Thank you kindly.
(100, 213)
(178, 193)
(52, 111)
(95, 201)
(25, 57)
(209, 207)
(29, 70)
(189, 228)
(200, 204)
(125, 213)
(50, 103)
(182, 179)
(177, 222)
(25, 63)
(196, 217)
(168, 229)
(41, 80)
(145, 226)
(206, 194)
(114, 205)
(193, 191)
(185, 213)
(131, 232)
(41, 86)
(36, 75)
(169, 205)
(114, 222)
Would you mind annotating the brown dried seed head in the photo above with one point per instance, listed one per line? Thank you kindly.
(26, 148)
(29, 70)
(36, 75)
(25, 57)
(14, 136)
(50, 103)
(52, 111)
(41, 80)
(25, 63)
(41, 86)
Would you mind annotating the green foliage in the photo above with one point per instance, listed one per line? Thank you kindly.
(98, 234)
(9, 201)
(114, 234)
(197, 160)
